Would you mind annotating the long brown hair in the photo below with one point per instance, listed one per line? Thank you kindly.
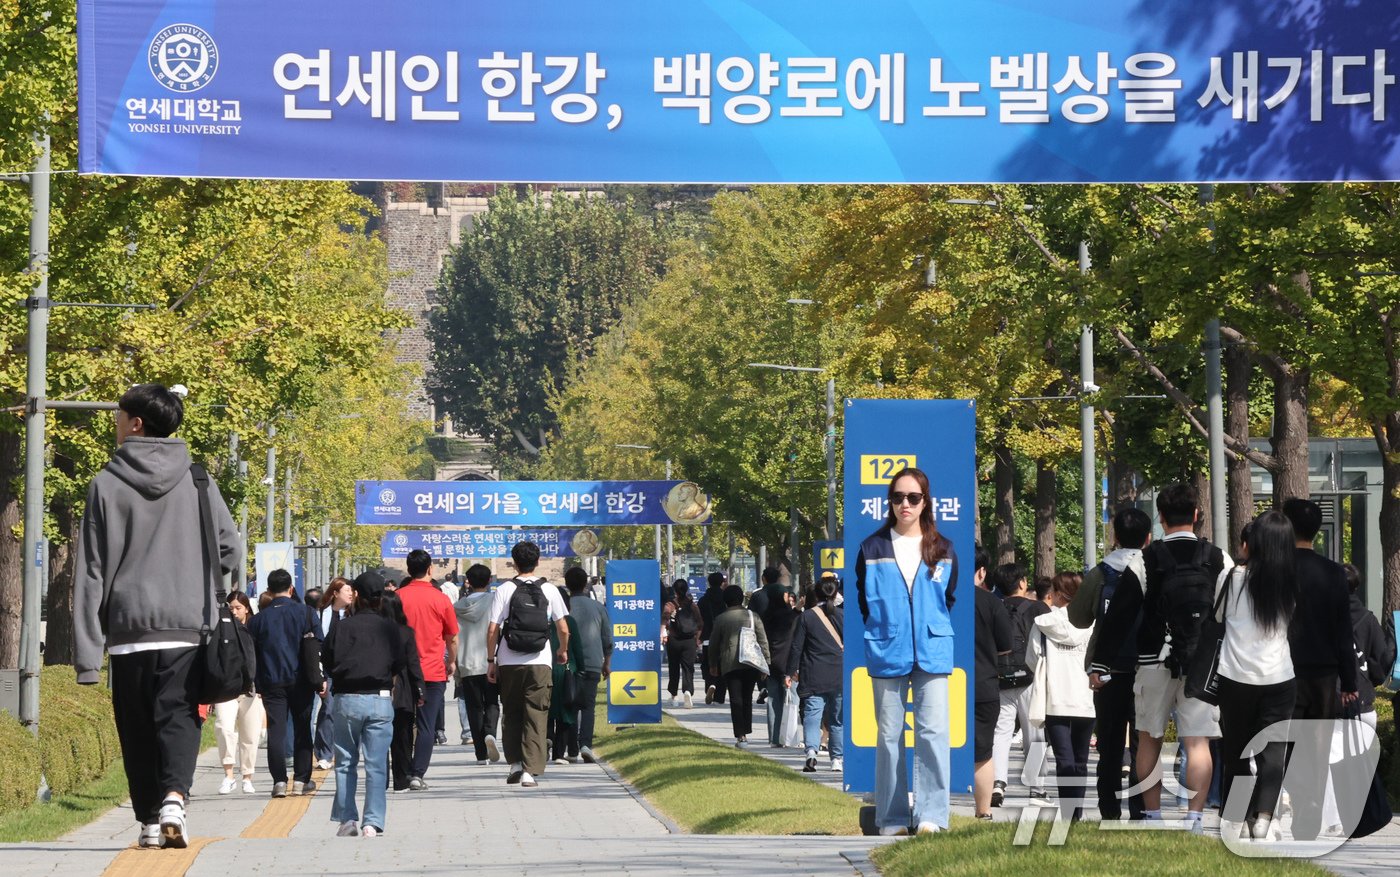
(933, 547)
(328, 595)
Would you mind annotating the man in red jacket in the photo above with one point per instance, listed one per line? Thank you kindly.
(434, 623)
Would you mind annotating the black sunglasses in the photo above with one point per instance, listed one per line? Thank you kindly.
(898, 498)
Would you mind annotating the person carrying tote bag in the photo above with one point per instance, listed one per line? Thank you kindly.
(738, 657)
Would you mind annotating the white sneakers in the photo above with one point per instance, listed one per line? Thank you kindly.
(493, 751)
(837, 764)
(228, 785)
(894, 831)
(527, 781)
(928, 828)
(369, 831)
(172, 824)
(150, 838)
(689, 701)
(248, 788)
(325, 764)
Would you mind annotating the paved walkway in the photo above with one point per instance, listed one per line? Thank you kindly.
(1374, 856)
(578, 821)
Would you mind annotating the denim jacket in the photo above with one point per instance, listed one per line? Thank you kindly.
(904, 630)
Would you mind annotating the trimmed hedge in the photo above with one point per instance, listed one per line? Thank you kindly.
(77, 740)
(1389, 734)
(19, 765)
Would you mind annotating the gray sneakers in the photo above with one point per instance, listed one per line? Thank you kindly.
(348, 828)
(279, 790)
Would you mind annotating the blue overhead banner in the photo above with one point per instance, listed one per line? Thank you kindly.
(765, 91)
(634, 687)
(530, 503)
(447, 544)
(939, 437)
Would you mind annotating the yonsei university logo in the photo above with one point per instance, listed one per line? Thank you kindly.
(183, 58)
(387, 496)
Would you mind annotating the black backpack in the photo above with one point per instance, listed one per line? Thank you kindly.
(683, 622)
(1012, 671)
(527, 626)
(1186, 597)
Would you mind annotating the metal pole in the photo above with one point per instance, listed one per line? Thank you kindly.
(794, 553)
(1215, 415)
(670, 537)
(287, 507)
(242, 565)
(271, 483)
(36, 389)
(705, 550)
(659, 557)
(325, 567)
(831, 458)
(1086, 428)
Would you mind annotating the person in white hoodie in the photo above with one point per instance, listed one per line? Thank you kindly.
(1257, 683)
(1056, 656)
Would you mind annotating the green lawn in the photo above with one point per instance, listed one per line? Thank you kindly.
(64, 813)
(976, 850)
(709, 788)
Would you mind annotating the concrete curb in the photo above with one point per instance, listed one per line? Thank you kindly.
(641, 799)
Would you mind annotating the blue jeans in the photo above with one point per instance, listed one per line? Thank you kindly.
(817, 708)
(777, 695)
(362, 721)
(931, 750)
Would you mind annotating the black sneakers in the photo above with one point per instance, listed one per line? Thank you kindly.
(810, 765)
(998, 793)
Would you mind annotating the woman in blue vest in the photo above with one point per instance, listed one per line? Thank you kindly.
(906, 573)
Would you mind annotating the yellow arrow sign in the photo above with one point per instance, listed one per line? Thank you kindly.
(833, 558)
(634, 688)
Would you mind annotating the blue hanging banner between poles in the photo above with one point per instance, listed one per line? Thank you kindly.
(766, 91)
(531, 504)
(634, 687)
(884, 436)
(449, 544)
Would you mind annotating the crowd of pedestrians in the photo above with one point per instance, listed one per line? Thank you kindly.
(355, 676)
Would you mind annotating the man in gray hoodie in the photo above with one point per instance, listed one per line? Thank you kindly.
(141, 590)
(478, 699)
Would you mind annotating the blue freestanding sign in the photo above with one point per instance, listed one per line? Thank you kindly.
(882, 437)
(634, 688)
(530, 503)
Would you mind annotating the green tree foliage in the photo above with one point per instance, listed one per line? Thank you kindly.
(531, 286)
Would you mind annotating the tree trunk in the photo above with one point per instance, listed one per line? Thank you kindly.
(1388, 438)
(1239, 368)
(58, 635)
(1123, 481)
(1200, 480)
(1004, 477)
(1390, 533)
(11, 547)
(1290, 438)
(1045, 507)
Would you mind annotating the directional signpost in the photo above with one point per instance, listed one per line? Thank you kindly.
(634, 688)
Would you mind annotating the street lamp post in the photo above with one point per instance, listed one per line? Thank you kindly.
(36, 406)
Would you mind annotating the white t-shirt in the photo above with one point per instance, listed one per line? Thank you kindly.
(500, 611)
(907, 553)
(1249, 655)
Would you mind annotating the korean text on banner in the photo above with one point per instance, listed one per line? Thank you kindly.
(530, 503)
(449, 544)
(882, 437)
(766, 91)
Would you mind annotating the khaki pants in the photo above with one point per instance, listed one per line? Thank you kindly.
(525, 693)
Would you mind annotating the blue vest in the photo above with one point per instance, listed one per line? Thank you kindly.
(903, 629)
